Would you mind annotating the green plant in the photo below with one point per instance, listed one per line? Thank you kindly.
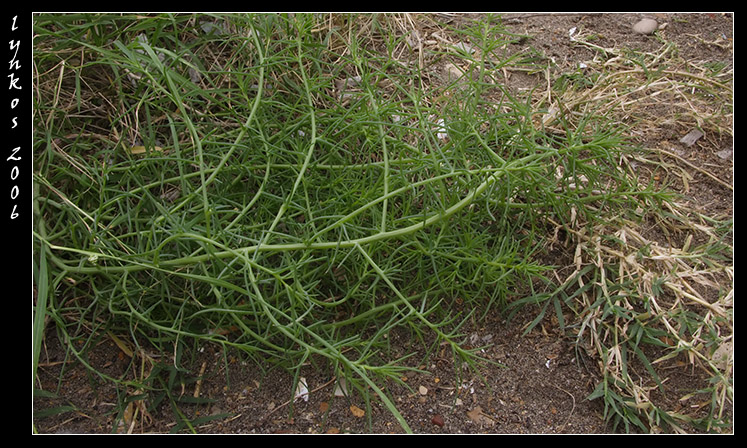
(207, 178)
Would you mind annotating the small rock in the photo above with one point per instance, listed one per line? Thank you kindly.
(341, 389)
(452, 72)
(723, 355)
(344, 84)
(646, 26)
(423, 390)
(691, 137)
(464, 47)
(726, 154)
(302, 391)
(438, 420)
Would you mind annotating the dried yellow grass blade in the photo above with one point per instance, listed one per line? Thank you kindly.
(141, 149)
(121, 344)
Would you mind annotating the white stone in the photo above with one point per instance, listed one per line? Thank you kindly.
(646, 26)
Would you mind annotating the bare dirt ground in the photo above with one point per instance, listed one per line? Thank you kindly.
(542, 381)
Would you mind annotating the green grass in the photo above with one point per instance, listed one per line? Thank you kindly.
(308, 221)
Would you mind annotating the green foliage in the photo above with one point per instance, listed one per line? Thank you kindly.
(308, 220)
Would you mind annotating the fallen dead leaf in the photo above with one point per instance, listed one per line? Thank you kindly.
(358, 412)
(477, 416)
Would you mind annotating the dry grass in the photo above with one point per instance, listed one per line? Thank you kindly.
(657, 258)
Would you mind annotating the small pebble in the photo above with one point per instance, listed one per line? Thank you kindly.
(646, 26)
(423, 390)
(726, 154)
(691, 137)
(438, 420)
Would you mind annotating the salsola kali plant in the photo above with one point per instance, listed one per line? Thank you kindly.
(290, 187)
